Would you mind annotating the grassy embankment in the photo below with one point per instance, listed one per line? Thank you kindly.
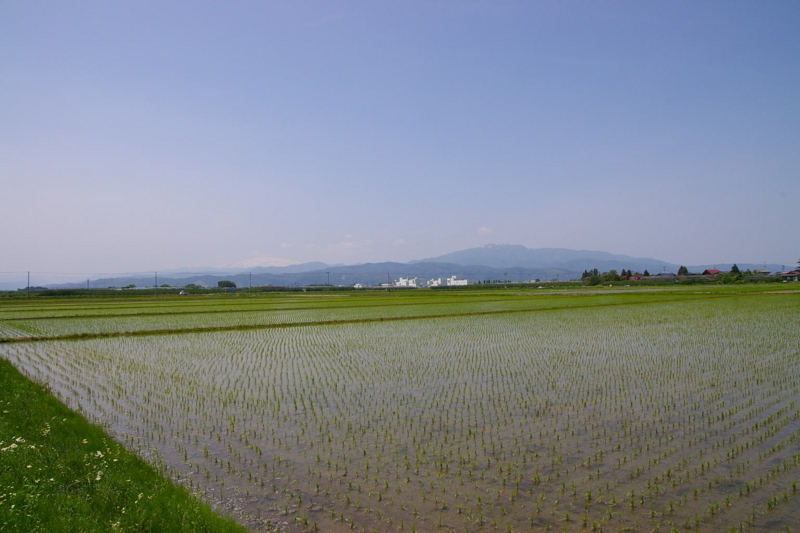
(58, 472)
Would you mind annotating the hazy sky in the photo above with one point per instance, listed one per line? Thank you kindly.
(153, 135)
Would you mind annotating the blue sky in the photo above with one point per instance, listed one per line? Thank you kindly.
(151, 135)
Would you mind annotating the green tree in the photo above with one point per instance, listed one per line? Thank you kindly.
(725, 278)
(735, 269)
(683, 271)
(225, 284)
(646, 273)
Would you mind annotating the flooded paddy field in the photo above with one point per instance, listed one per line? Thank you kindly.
(578, 413)
(110, 317)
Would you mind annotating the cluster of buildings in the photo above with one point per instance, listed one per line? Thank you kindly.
(787, 276)
(711, 273)
(419, 283)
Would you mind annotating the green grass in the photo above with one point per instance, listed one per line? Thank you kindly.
(60, 473)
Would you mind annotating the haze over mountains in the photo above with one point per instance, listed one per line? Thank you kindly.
(515, 255)
(491, 262)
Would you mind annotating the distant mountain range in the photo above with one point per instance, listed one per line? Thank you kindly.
(506, 256)
(291, 269)
(491, 262)
(515, 255)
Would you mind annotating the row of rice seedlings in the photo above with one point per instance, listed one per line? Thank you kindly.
(98, 307)
(596, 419)
(165, 321)
(174, 304)
(153, 319)
(11, 332)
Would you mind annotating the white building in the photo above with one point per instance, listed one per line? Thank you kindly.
(409, 282)
(452, 281)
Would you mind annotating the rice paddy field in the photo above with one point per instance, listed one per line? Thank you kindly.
(426, 411)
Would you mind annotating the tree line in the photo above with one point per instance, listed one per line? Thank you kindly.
(595, 277)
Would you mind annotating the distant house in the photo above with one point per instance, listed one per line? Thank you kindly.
(790, 276)
(710, 272)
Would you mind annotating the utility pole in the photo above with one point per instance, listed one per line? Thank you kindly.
(250, 289)
(329, 278)
(155, 287)
(87, 284)
(29, 284)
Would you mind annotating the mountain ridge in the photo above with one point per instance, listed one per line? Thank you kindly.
(516, 255)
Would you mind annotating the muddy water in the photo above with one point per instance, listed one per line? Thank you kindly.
(679, 416)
